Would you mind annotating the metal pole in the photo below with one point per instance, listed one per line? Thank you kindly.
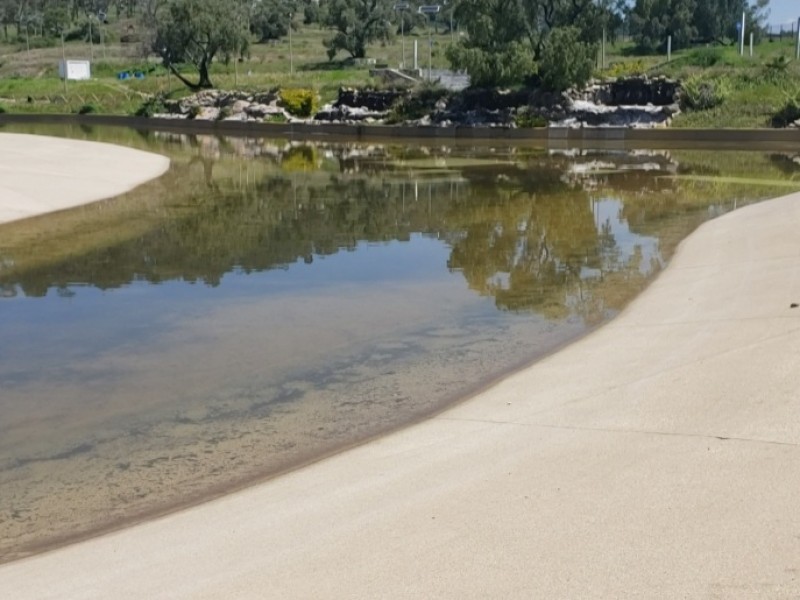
(603, 55)
(403, 36)
(64, 61)
(430, 54)
(741, 43)
(291, 56)
(797, 51)
(91, 41)
(751, 44)
(669, 48)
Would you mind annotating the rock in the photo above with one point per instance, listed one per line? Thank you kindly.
(169, 116)
(262, 111)
(372, 100)
(207, 113)
(239, 106)
(265, 98)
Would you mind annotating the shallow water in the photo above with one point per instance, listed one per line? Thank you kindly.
(268, 302)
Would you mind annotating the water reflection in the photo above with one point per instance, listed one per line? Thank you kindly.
(268, 301)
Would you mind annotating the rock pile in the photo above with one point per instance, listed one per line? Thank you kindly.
(356, 106)
(628, 102)
(218, 105)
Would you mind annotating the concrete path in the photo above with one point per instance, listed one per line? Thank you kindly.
(657, 458)
(40, 174)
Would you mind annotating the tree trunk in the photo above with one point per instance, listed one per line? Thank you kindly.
(205, 80)
(192, 86)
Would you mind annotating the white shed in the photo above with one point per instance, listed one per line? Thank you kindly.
(74, 69)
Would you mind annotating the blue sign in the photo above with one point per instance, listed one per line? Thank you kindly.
(738, 25)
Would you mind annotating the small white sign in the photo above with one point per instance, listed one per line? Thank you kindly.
(74, 69)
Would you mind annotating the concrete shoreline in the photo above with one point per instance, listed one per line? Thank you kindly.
(656, 457)
(40, 174)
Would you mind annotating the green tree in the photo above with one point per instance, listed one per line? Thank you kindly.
(496, 50)
(356, 23)
(508, 37)
(56, 19)
(8, 16)
(195, 32)
(566, 60)
(271, 19)
(653, 21)
(716, 19)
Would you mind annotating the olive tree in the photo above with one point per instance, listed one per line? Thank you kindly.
(355, 24)
(195, 32)
(507, 39)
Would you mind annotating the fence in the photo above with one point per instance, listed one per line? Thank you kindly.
(782, 31)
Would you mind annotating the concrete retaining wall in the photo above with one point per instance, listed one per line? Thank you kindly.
(601, 137)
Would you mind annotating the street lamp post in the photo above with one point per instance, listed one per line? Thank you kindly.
(400, 7)
(430, 9)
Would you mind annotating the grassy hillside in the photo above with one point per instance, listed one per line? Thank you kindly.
(750, 90)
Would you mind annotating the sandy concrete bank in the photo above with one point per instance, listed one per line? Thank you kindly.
(41, 174)
(656, 458)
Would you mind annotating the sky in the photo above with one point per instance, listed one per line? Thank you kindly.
(783, 11)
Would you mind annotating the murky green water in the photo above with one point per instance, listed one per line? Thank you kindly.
(268, 302)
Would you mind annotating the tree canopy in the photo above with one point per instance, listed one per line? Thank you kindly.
(653, 21)
(507, 39)
(355, 24)
(195, 32)
(271, 19)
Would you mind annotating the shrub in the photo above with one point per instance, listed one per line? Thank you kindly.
(151, 106)
(789, 113)
(704, 57)
(2, 109)
(81, 33)
(627, 68)
(777, 69)
(566, 60)
(300, 102)
(507, 65)
(527, 119)
(35, 42)
(416, 105)
(700, 93)
(87, 109)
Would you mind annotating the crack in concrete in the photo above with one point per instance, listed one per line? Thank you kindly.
(678, 434)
